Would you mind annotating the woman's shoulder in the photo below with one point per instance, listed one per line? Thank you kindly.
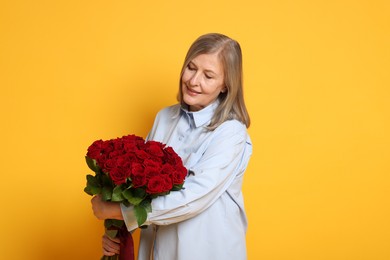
(231, 128)
(169, 111)
(233, 131)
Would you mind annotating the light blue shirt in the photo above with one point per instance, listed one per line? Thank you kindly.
(206, 220)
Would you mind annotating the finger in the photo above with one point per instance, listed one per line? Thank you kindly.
(110, 246)
(107, 253)
(114, 239)
(96, 198)
(110, 250)
(111, 243)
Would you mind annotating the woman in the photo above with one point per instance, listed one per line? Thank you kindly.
(206, 220)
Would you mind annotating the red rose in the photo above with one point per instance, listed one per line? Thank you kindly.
(107, 147)
(109, 165)
(158, 184)
(167, 169)
(121, 161)
(140, 143)
(151, 171)
(183, 170)
(132, 138)
(152, 163)
(137, 168)
(102, 160)
(141, 154)
(118, 176)
(155, 148)
(178, 176)
(130, 147)
(130, 157)
(117, 144)
(138, 180)
(138, 176)
(115, 153)
(130, 143)
(95, 149)
(126, 167)
(156, 160)
(171, 156)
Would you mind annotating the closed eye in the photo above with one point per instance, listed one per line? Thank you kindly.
(191, 67)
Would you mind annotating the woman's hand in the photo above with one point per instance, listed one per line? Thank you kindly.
(105, 209)
(111, 246)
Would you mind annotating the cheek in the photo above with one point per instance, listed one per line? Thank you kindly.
(186, 76)
(214, 89)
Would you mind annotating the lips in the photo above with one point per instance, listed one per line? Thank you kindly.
(192, 92)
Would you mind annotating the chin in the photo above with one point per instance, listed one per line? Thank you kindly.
(187, 100)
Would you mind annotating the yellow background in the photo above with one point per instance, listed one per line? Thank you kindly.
(317, 88)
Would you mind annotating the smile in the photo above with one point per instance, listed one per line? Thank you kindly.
(192, 92)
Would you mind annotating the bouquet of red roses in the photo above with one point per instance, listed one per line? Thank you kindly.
(131, 171)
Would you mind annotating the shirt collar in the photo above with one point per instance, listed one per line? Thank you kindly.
(203, 116)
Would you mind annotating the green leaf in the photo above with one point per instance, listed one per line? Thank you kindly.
(126, 203)
(134, 196)
(106, 193)
(92, 164)
(110, 223)
(117, 223)
(111, 232)
(106, 181)
(140, 214)
(139, 192)
(93, 186)
(177, 187)
(92, 190)
(92, 180)
(117, 194)
(147, 204)
(107, 223)
(141, 211)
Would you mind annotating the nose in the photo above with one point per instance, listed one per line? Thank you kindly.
(194, 80)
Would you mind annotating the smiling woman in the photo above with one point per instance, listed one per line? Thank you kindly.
(216, 64)
(208, 129)
(202, 81)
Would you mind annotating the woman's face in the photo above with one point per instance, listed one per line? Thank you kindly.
(202, 81)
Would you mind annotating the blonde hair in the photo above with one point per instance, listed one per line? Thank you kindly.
(232, 105)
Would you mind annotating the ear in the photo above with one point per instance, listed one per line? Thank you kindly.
(223, 90)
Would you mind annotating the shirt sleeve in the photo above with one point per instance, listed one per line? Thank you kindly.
(129, 217)
(224, 159)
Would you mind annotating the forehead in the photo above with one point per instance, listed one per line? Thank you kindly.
(208, 61)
